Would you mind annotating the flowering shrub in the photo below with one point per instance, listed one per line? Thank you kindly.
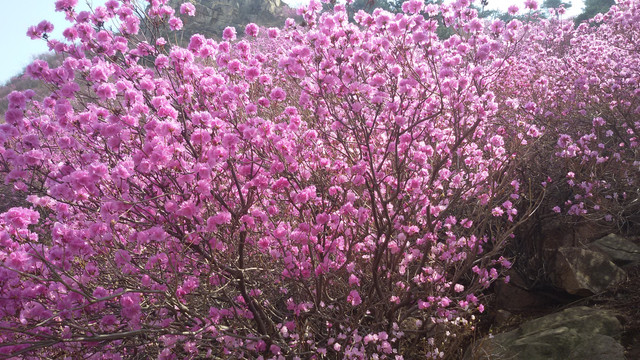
(337, 190)
(582, 87)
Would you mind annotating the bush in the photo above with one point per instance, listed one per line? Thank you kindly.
(337, 190)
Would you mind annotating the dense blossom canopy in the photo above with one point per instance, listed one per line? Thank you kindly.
(333, 190)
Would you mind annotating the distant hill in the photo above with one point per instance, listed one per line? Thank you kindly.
(21, 82)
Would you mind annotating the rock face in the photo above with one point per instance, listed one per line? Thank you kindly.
(620, 250)
(212, 16)
(584, 272)
(574, 334)
(513, 296)
(580, 266)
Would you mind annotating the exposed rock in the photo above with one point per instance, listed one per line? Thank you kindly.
(212, 16)
(563, 235)
(599, 347)
(576, 333)
(502, 317)
(511, 297)
(585, 272)
(620, 250)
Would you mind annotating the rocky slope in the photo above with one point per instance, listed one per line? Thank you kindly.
(587, 308)
(212, 16)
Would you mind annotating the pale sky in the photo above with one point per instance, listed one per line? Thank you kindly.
(17, 15)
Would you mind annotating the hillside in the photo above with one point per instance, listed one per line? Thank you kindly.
(212, 16)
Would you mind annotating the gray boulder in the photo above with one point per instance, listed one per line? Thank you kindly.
(573, 334)
(620, 250)
(585, 272)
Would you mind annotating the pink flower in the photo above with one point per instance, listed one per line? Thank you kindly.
(229, 141)
(531, 4)
(413, 6)
(100, 72)
(598, 121)
(354, 298)
(175, 24)
(122, 257)
(64, 5)
(564, 140)
(377, 81)
(472, 299)
(20, 218)
(229, 33)
(513, 9)
(534, 132)
(33, 310)
(130, 306)
(106, 91)
(131, 25)
(322, 219)
(475, 25)
(251, 29)
(273, 33)
(196, 42)
(70, 33)
(220, 218)
(354, 280)
(277, 94)
(252, 73)
(497, 26)
(33, 33)
(44, 27)
(263, 243)
(17, 99)
(188, 9)
(497, 140)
